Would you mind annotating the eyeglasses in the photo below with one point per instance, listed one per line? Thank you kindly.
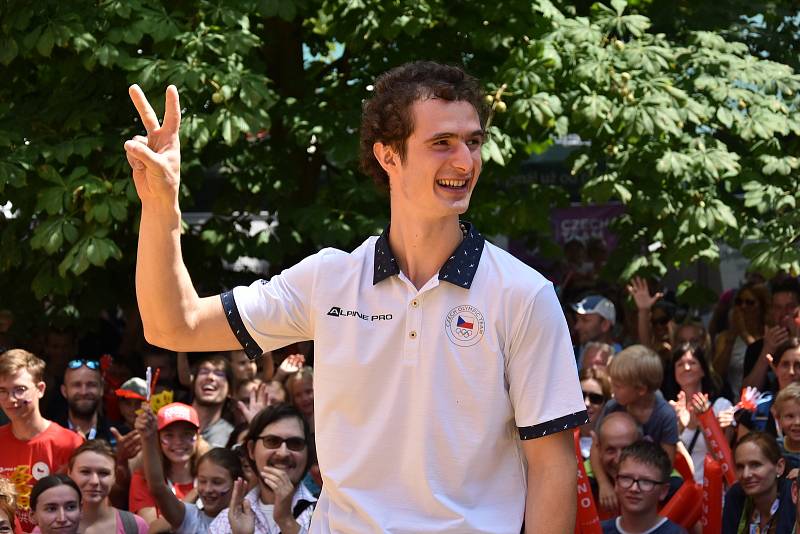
(645, 484)
(747, 303)
(594, 398)
(17, 392)
(94, 365)
(275, 442)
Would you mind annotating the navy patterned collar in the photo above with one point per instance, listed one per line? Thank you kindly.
(459, 269)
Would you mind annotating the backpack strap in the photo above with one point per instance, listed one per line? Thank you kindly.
(129, 525)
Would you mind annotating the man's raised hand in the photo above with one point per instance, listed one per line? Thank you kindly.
(156, 159)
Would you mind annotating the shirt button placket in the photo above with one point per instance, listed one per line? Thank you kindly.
(413, 324)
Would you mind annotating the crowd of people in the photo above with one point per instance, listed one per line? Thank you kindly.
(221, 443)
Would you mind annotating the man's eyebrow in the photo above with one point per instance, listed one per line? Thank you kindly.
(448, 135)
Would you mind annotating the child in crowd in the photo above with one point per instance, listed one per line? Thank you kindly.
(641, 484)
(216, 472)
(56, 505)
(92, 467)
(636, 374)
(761, 500)
(786, 410)
(181, 445)
(301, 393)
(8, 507)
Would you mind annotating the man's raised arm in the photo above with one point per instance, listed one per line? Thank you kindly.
(173, 316)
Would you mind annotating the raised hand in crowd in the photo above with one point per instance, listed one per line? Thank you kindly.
(259, 399)
(128, 445)
(640, 292)
(291, 364)
(241, 517)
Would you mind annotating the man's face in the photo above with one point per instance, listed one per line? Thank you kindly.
(243, 367)
(442, 162)
(615, 436)
(19, 394)
(789, 421)
(784, 306)
(635, 500)
(788, 368)
(590, 327)
(282, 457)
(82, 388)
(211, 385)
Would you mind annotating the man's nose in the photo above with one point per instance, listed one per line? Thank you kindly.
(462, 158)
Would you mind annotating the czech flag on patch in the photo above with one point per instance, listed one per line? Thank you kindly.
(461, 323)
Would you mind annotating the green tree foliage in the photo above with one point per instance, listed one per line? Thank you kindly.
(693, 133)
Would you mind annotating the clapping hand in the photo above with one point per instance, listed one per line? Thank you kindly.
(700, 403)
(241, 517)
(681, 410)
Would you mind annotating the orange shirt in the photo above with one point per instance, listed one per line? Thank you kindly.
(25, 462)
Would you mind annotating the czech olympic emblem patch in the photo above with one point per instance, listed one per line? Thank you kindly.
(464, 325)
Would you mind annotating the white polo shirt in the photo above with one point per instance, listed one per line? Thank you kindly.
(420, 397)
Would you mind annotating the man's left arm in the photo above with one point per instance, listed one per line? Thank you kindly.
(551, 501)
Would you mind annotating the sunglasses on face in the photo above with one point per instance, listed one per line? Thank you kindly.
(94, 365)
(645, 484)
(275, 442)
(747, 303)
(594, 398)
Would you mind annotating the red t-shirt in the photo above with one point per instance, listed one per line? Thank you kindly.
(25, 462)
(140, 496)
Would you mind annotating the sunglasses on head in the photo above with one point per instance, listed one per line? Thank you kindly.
(94, 365)
(594, 398)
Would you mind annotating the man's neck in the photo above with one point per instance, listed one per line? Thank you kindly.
(83, 424)
(208, 414)
(28, 427)
(636, 523)
(421, 247)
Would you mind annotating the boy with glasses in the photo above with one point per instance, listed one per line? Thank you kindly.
(33, 447)
(642, 482)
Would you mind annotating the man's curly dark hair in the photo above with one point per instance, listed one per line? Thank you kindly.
(387, 116)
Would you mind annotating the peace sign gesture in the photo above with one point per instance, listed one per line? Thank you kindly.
(156, 159)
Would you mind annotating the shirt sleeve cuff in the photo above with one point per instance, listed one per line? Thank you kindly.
(556, 425)
(249, 345)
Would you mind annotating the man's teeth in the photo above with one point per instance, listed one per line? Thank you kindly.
(452, 183)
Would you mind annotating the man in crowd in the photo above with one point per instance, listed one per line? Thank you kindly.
(452, 399)
(211, 385)
(83, 391)
(594, 322)
(32, 446)
(617, 430)
(784, 307)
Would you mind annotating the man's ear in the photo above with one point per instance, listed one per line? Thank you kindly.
(387, 157)
(63, 389)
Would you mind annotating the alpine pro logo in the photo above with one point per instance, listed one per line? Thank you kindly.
(336, 311)
(464, 325)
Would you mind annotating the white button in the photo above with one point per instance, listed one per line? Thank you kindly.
(413, 334)
(415, 303)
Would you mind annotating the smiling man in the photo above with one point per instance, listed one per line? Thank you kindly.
(462, 350)
(211, 385)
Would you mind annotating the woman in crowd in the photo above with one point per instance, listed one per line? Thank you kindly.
(8, 507)
(56, 505)
(692, 332)
(92, 467)
(761, 500)
(300, 386)
(692, 374)
(747, 324)
(596, 387)
(216, 471)
(181, 446)
(277, 446)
